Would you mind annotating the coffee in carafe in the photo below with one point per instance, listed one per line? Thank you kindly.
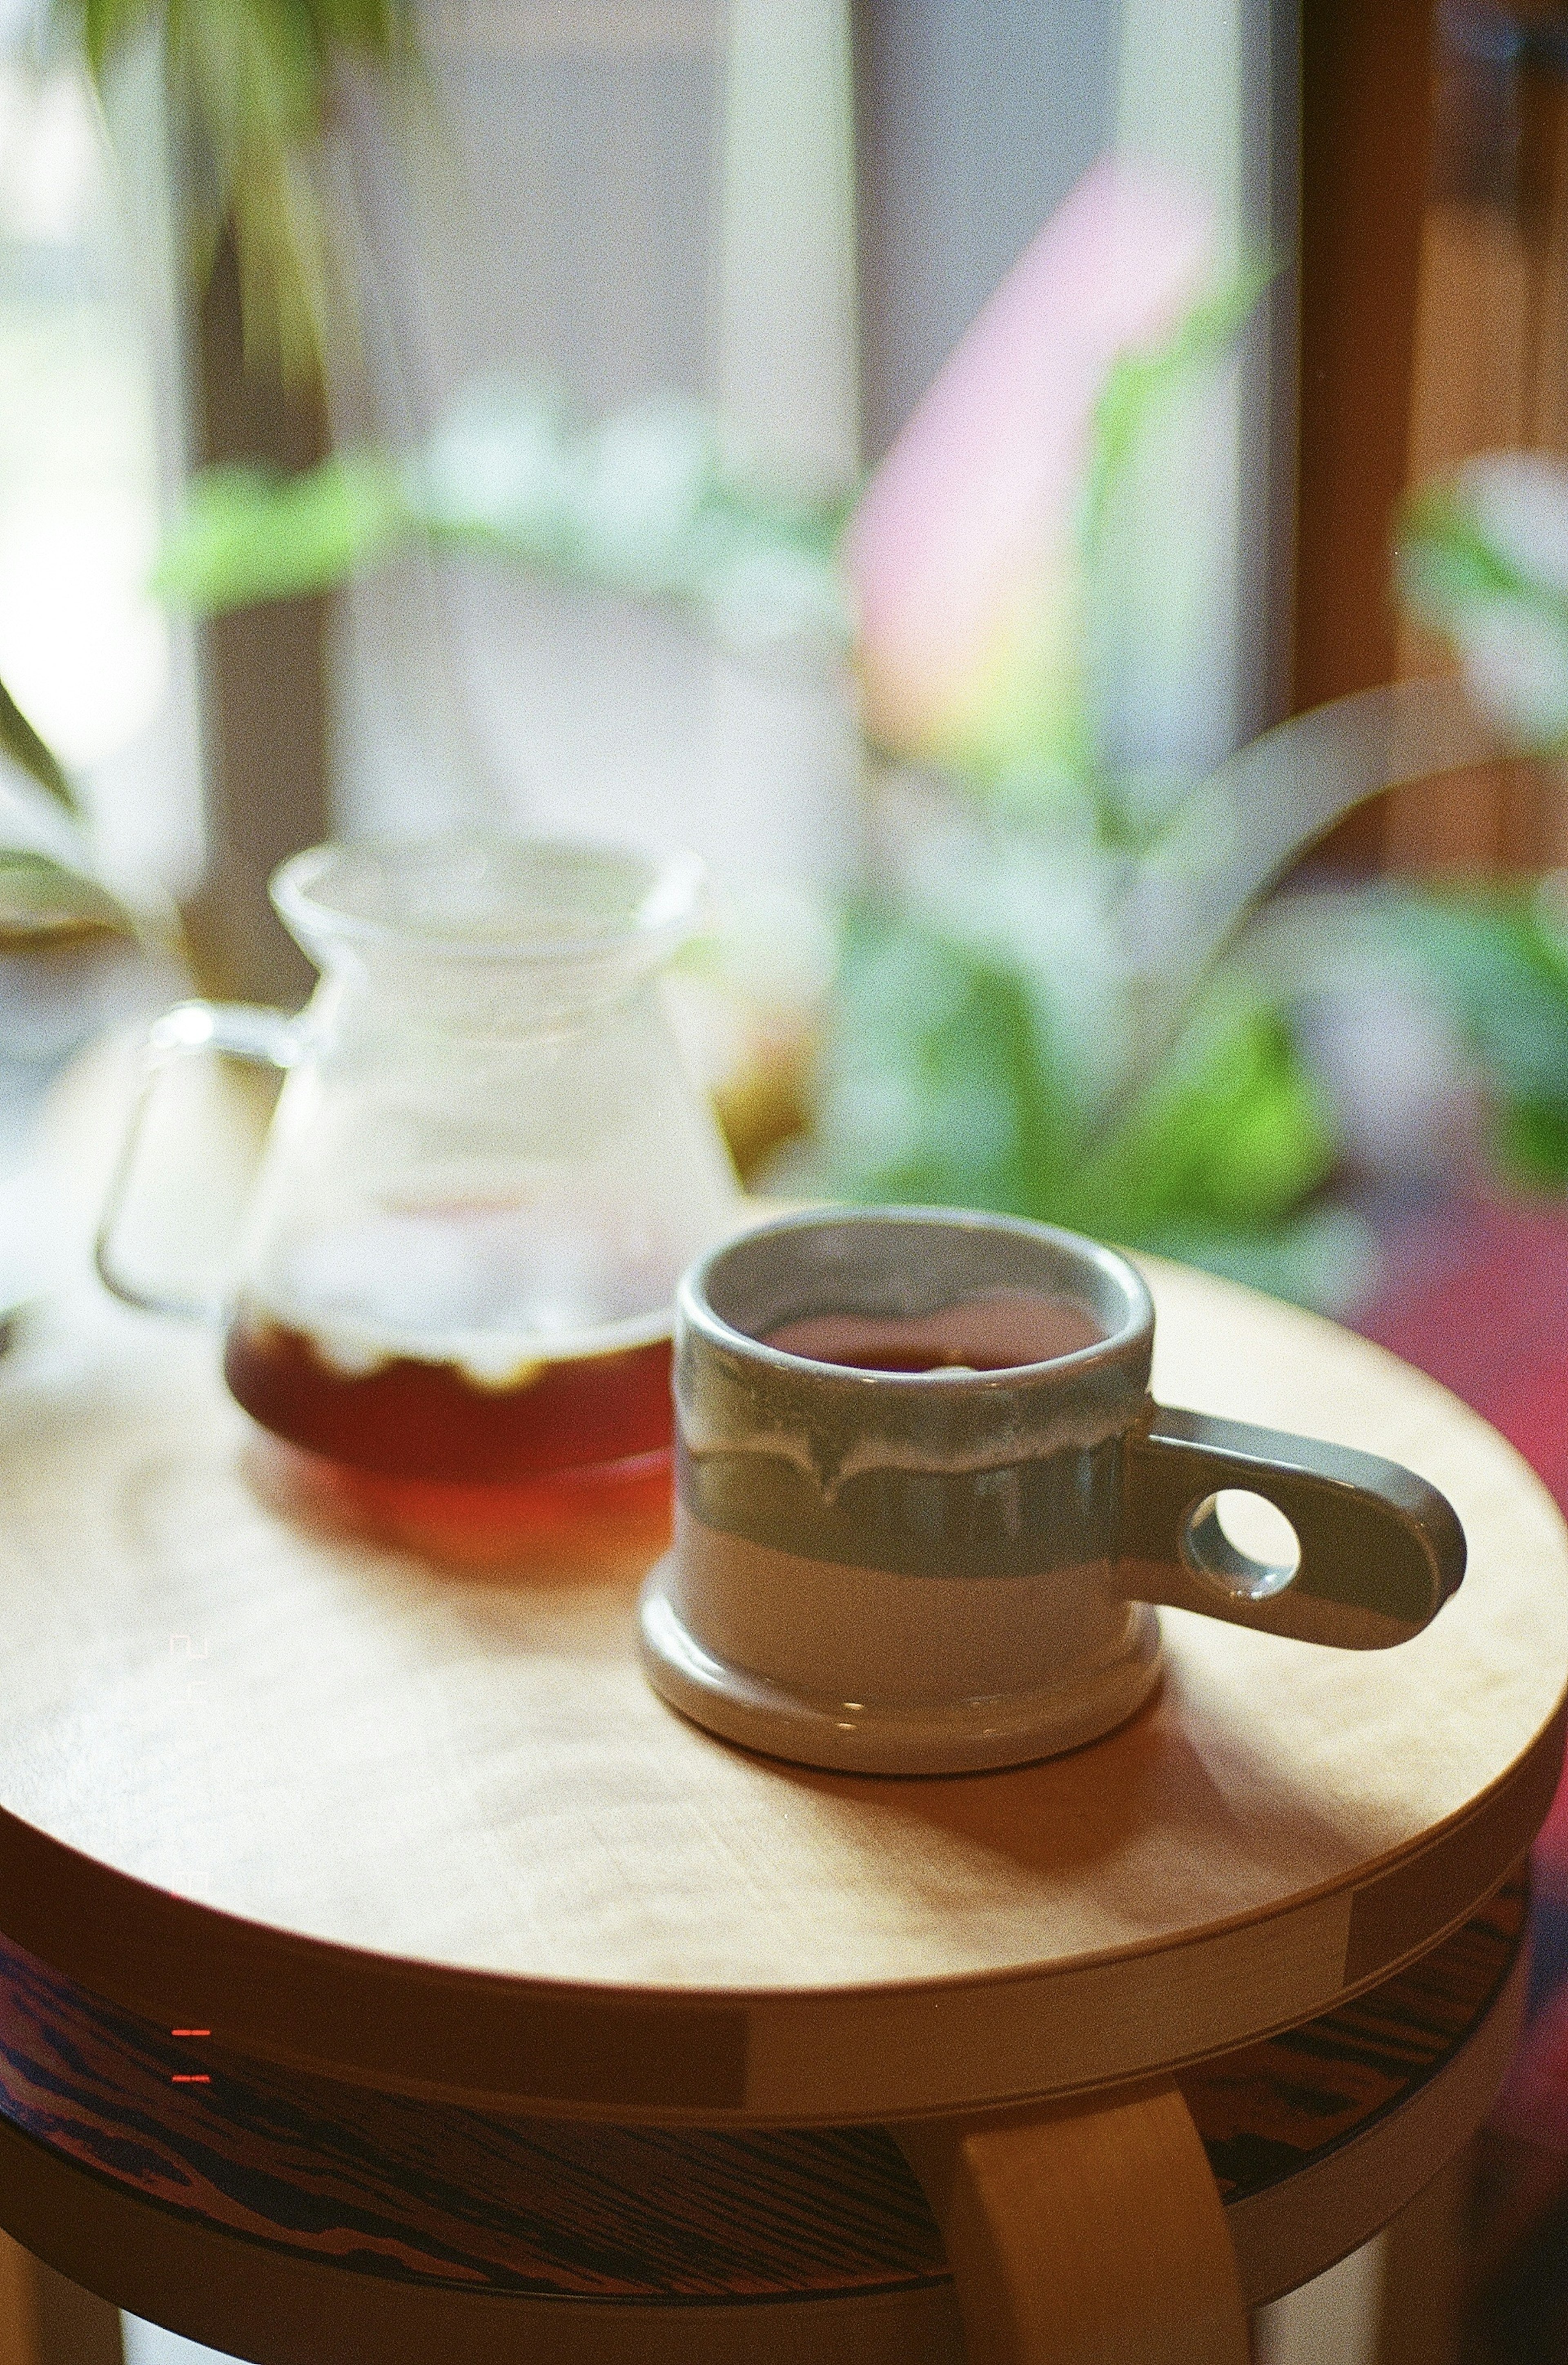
(469, 1345)
(583, 1407)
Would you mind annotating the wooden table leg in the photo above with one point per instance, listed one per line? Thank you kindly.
(1090, 2234)
(46, 2319)
(1424, 2251)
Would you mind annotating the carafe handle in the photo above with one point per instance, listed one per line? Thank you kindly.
(266, 1037)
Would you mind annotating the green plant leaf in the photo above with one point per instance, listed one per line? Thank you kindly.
(1138, 382)
(643, 505)
(942, 1083)
(1140, 592)
(249, 534)
(252, 89)
(1443, 561)
(1493, 961)
(39, 896)
(1476, 562)
(935, 1087)
(1500, 965)
(21, 743)
(1229, 1133)
(111, 25)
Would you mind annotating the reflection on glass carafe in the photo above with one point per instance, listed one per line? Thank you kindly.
(486, 1170)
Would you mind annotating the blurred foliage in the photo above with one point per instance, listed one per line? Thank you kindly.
(253, 87)
(1138, 382)
(1497, 961)
(45, 888)
(1446, 562)
(250, 534)
(991, 1045)
(1483, 560)
(39, 896)
(998, 1036)
(645, 503)
(946, 1082)
(948, 1076)
(21, 743)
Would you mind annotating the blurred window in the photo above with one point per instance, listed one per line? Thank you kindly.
(84, 647)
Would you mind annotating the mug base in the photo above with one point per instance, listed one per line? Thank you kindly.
(966, 1736)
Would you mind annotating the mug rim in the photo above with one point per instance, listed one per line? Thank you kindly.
(694, 1309)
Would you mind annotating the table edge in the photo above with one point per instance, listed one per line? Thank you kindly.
(827, 2056)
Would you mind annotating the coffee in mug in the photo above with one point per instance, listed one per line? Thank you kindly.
(925, 1504)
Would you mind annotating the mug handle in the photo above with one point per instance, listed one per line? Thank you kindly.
(1380, 1550)
(266, 1037)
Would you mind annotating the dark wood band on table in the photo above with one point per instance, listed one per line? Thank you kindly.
(1321, 2134)
(287, 2217)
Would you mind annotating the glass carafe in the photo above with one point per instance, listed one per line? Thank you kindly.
(487, 1168)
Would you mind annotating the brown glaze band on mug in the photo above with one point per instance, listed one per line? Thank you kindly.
(930, 1570)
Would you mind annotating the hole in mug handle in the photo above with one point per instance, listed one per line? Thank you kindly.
(1380, 1548)
(1242, 1542)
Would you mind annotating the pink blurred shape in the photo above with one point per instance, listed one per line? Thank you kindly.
(962, 552)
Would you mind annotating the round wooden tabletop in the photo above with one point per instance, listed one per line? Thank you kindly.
(356, 1811)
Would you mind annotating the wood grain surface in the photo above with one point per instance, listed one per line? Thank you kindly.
(268, 2210)
(428, 1828)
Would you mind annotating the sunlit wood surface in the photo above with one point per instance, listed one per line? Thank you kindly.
(363, 1813)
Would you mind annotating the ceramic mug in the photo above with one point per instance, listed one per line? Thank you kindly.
(949, 1565)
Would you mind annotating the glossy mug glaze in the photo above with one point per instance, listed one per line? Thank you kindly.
(927, 1571)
